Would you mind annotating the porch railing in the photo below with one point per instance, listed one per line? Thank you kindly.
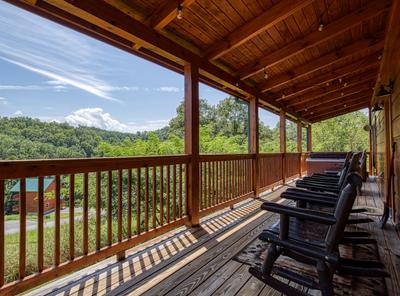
(114, 204)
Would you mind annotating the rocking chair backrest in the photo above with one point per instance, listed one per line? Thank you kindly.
(342, 211)
(352, 166)
(363, 166)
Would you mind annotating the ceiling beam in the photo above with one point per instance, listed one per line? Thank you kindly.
(331, 88)
(167, 13)
(354, 89)
(339, 101)
(339, 112)
(330, 31)
(263, 22)
(375, 43)
(363, 64)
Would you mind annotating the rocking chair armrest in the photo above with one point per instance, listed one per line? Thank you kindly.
(305, 214)
(324, 201)
(304, 248)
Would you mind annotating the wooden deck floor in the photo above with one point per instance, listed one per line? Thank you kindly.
(199, 261)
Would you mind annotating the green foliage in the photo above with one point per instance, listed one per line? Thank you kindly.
(223, 129)
(342, 133)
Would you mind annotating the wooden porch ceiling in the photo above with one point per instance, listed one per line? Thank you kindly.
(314, 59)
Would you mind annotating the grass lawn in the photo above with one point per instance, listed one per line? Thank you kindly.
(33, 217)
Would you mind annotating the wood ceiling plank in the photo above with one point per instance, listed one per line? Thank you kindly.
(338, 112)
(349, 90)
(326, 90)
(322, 62)
(358, 66)
(331, 104)
(330, 31)
(263, 22)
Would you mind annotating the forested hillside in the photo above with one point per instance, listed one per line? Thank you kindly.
(224, 129)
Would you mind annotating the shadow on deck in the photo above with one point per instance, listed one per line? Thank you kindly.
(199, 261)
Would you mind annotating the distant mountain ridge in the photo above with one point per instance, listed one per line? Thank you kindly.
(28, 138)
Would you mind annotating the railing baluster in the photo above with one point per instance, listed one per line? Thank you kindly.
(168, 193)
(71, 217)
(85, 213)
(2, 232)
(98, 210)
(201, 182)
(153, 199)
(40, 223)
(180, 192)
(22, 228)
(210, 195)
(217, 197)
(57, 222)
(138, 200)
(174, 191)
(109, 208)
(161, 195)
(146, 199)
(119, 206)
(129, 204)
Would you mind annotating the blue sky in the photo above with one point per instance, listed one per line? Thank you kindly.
(56, 74)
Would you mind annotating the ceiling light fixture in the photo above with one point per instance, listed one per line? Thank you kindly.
(376, 108)
(265, 73)
(179, 12)
(345, 84)
(385, 90)
(321, 26)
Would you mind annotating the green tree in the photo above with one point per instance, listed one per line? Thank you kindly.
(342, 133)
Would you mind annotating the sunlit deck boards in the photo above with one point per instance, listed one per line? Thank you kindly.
(199, 261)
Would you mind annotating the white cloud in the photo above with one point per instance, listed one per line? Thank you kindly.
(54, 52)
(96, 117)
(168, 89)
(3, 101)
(93, 89)
(22, 87)
(18, 113)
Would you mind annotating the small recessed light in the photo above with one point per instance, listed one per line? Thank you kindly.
(179, 12)
(320, 27)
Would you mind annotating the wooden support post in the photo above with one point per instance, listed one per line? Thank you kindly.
(370, 155)
(192, 121)
(309, 139)
(282, 136)
(253, 143)
(387, 109)
(299, 144)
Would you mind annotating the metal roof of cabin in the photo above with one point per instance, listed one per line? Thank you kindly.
(32, 184)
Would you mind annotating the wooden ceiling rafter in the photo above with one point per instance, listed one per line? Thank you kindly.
(323, 91)
(355, 67)
(346, 91)
(338, 112)
(263, 22)
(325, 61)
(329, 32)
(338, 101)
